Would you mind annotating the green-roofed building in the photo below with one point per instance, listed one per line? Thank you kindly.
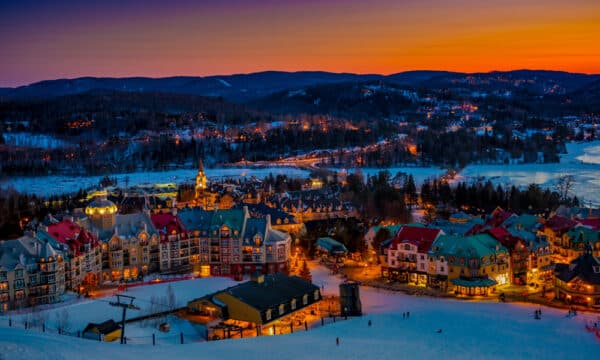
(331, 246)
(231, 242)
(468, 265)
(574, 241)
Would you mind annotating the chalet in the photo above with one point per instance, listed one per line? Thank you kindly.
(83, 263)
(261, 301)
(573, 243)
(579, 281)
(107, 331)
(518, 253)
(554, 229)
(471, 265)
(407, 259)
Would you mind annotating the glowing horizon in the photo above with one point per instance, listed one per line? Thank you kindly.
(153, 38)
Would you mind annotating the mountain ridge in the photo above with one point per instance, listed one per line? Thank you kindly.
(249, 86)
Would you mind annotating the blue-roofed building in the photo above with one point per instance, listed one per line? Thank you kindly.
(331, 246)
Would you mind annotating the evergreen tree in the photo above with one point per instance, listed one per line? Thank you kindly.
(305, 272)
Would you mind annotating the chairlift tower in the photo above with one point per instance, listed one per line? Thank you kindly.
(124, 305)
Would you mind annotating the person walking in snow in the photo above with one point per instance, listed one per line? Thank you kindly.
(407, 314)
(337, 341)
(370, 323)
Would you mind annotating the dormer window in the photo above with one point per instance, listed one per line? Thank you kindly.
(596, 269)
(224, 231)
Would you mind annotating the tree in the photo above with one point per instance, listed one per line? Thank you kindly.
(62, 320)
(564, 185)
(171, 301)
(382, 235)
(305, 272)
(410, 189)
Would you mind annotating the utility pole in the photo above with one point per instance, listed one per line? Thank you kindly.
(125, 306)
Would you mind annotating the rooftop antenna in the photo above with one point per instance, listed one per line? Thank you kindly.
(125, 306)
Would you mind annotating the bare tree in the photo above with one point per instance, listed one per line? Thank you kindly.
(564, 185)
(62, 320)
(171, 300)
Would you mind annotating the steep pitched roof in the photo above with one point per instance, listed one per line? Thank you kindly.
(72, 235)
(559, 224)
(103, 328)
(167, 223)
(422, 237)
(274, 290)
(586, 267)
(593, 224)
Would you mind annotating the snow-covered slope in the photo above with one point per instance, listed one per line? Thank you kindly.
(470, 330)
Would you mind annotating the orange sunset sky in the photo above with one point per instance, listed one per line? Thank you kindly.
(67, 38)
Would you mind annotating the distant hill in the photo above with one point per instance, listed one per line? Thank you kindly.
(249, 87)
(355, 100)
(239, 88)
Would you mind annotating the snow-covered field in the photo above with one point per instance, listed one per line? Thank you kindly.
(581, 161)
(81, 312)
(59, 184)
(25, 139)
(470, 330)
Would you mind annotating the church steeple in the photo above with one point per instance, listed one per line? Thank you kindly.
(200, 180)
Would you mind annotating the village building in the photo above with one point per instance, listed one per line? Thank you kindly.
(107, 331)
(579, 281)
(83, 263)
(518, 254)
(233, 243)
(262, 301)
(32, 272)
(472, 265)
(407, 257)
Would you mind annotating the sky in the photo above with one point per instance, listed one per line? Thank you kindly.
(46, 39)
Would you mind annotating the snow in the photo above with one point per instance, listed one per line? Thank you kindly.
(61, 184)
(98, 310)
(581, 161)
(470, 330)
(31, 140)
(225, 83)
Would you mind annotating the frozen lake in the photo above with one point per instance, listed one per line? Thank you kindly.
(581, 161)
(60, 184)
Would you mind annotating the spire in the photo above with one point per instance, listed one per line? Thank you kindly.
(200, 180)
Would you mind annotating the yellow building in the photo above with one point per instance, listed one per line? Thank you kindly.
(107, 331)
(260, 301)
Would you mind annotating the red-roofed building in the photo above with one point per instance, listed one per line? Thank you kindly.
(518, 251)
(554, 229)
(178, 250)
(84, 268)
(593, 224)
(498, 217)
(407, 259)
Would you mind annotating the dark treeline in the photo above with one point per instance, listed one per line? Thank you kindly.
(377, 199)
(484, 197)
